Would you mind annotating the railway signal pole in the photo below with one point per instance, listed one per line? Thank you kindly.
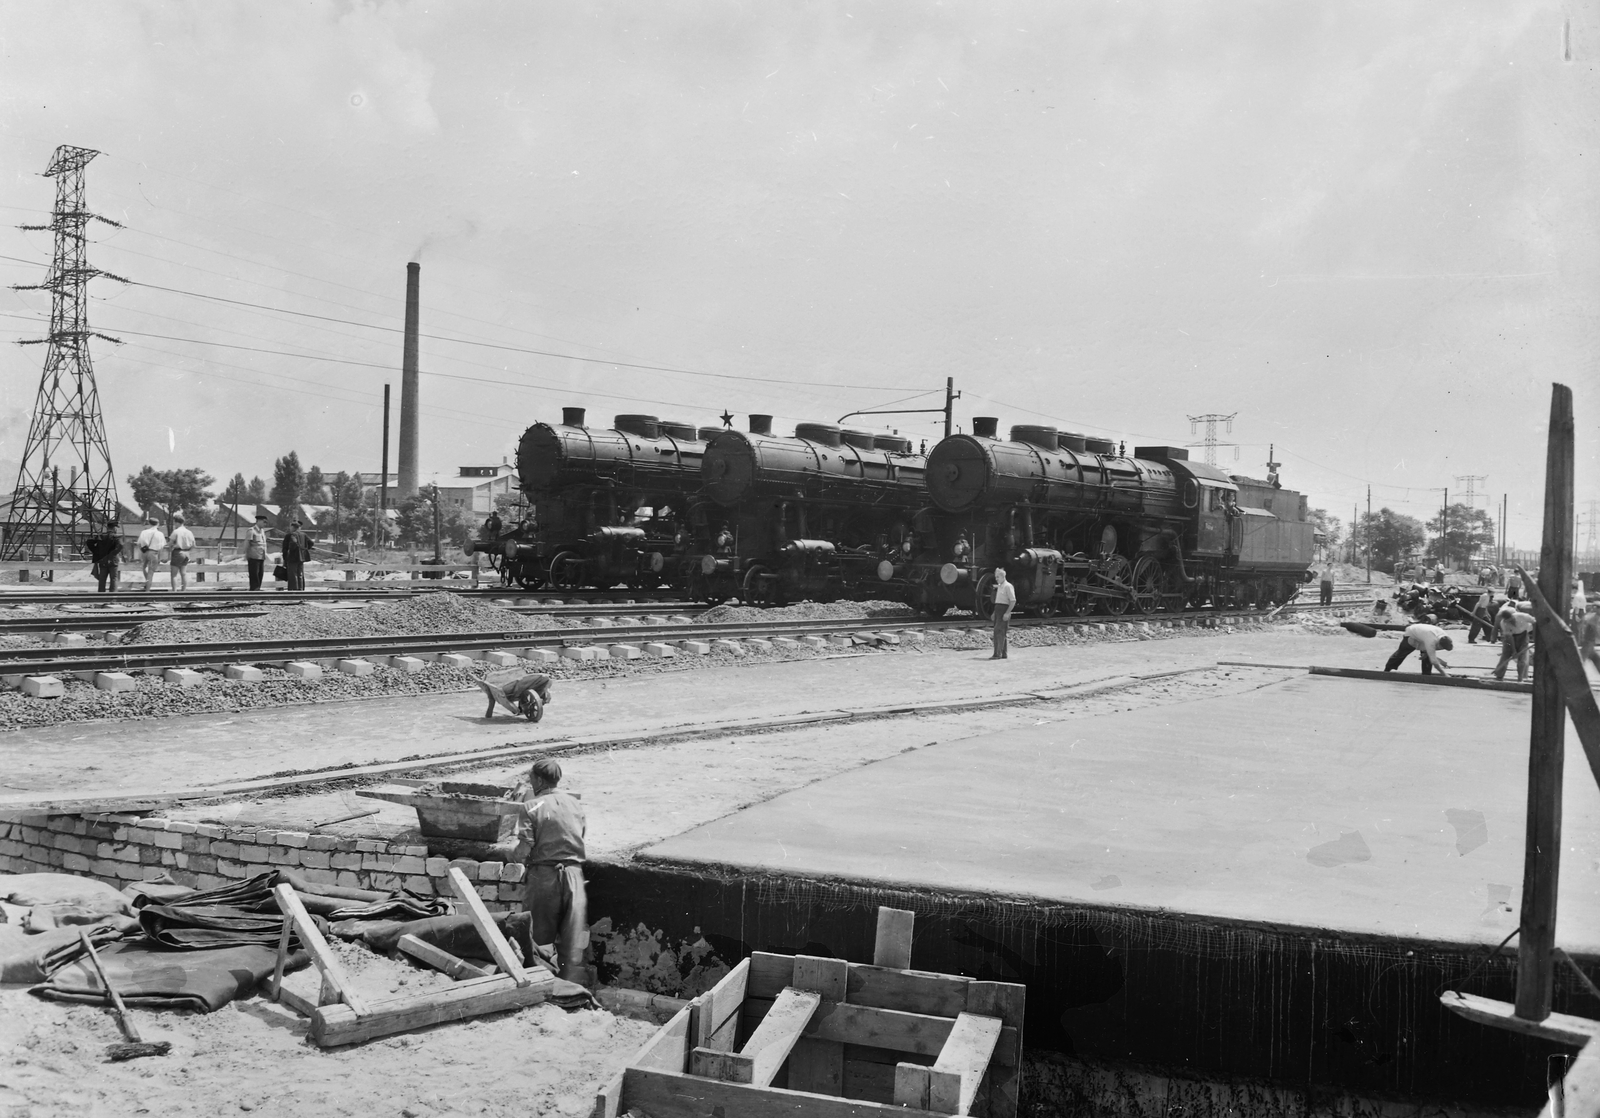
(1211, 419)
(67, 428)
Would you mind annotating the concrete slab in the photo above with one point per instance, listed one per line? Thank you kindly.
(1312, 802)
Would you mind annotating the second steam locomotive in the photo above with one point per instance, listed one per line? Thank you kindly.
(829, 513)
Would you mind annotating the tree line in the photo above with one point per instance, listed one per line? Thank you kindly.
(341, 508)
(1452, 537)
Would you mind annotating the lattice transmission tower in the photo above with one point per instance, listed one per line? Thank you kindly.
(1469, 488)
(65, 488)
(1210, 441)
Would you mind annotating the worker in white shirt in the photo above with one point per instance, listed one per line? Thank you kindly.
(1516, 627)
(1427, 639)
(151, 541)
(1005, 600)
(182, 544)
(1580, 602)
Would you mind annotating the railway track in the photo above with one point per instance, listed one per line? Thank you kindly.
(585, 642)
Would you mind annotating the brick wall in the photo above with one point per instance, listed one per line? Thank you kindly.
(123, 848)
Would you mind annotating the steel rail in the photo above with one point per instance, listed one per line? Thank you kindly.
(49, 661)
(77, 623)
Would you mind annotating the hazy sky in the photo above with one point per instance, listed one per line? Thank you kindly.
(1370, 230)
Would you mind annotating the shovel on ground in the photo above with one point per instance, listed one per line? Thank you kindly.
(134, 1048)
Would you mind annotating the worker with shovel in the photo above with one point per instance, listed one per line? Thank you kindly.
(549, 835)
(1427, 639)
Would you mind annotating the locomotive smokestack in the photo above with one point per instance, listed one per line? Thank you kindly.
(572, 417)
(761, 425)
(409, 387)
(985, 426)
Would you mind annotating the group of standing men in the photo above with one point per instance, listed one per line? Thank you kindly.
(105, 552)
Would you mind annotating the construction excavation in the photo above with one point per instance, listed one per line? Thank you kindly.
(1027, 563)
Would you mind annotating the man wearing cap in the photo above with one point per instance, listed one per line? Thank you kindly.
(1424, 638)
(182, 544)
(1515, 625)
(255, 551)
(1005, 600)
(296, 550)
(151, 541)
(549, 835)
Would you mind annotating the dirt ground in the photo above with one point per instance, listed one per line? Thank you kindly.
(252, 1057)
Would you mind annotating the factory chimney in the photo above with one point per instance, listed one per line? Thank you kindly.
(408, 388)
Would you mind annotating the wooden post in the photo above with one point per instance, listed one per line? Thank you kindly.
(1542, 856)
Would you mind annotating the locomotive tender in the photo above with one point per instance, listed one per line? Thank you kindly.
(839, 513)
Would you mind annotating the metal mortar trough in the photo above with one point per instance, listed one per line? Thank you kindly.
(457, 811)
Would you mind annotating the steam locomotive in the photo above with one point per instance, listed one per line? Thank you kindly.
(831, 512)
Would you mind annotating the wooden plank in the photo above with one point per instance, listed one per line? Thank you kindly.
(720, 1004)
(769, 974)
(438, 958)
(827, 977)
(608, 1099)
(892, 947)
(1580, 1088)
(757, 1063)
(911, 1086)
(1563, 1028)
(499, 949)
(868, 1080)
(283, 957)
(1568, 668)
(321, 954)
(1007, 1001)
(887, 988)
(668, 1050)
(304, 1006)
(953, 1081)
(817, 1066)
(943, 995)
(1434, 680)
(665, 1095)
(1541, 866)
(868, 1026)
(335, 1025)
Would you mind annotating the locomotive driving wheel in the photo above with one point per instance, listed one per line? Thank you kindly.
(1117, 570)
(757, 587)
(1149, 584)
(566, 570)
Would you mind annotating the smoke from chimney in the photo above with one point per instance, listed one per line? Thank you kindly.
(409, 403)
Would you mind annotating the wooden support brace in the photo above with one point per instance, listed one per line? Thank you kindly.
(439, 959)
(892, 948)
(333, 1025)
(499, 949)
(1563, 1028)
(334, 980)
(757, 1063)
(715, 1013)
(1567, 666)
(953, 1080)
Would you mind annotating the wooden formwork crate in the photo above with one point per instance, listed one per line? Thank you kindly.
(826, 1038)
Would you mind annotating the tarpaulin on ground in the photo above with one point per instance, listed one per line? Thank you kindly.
(146, 975)
(338, 902)
(33, 957)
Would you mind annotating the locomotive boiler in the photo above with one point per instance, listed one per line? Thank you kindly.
(608, 506)
(812, 515)
(1080, 527)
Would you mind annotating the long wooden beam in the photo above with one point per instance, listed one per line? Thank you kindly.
(1567, 666)
(1434, 680)
(1563, 1028)
(1541, 867)
(334, 1025)
(757, 1063)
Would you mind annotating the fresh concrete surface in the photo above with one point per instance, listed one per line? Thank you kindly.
(1360, 806)
(178, 752)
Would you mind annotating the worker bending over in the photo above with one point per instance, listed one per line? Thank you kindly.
(1515, 628)
(1427, 639)
(549, 836)
(519, 695)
